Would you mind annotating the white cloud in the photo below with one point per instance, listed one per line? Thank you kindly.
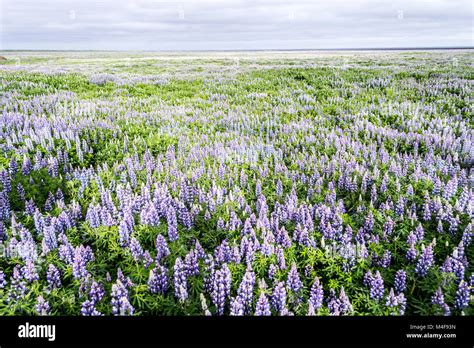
(221, 24)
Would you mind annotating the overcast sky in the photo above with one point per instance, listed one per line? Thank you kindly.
(233, 24)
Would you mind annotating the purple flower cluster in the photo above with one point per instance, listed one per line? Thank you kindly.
(425, 262)
(250, 213)
(120, 300)
(375, 283)
(221, 288)
(158, 280)
(180, 280)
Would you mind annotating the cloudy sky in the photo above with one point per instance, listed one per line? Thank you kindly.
(233, 24)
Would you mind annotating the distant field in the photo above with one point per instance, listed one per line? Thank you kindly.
(236, 183)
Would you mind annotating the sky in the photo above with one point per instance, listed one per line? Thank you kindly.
(233, 24)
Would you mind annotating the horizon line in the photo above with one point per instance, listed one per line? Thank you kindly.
(427, 48)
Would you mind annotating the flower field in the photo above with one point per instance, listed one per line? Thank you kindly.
(297, 183)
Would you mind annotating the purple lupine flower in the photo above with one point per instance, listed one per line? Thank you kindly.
(373, 194)
(345, 306)
(172, 224)
(29, 272)
(453, 224)
(376, 286)
(236, 256)
(185, 217)
(209, 269)
(438, 297)
(162, 249)
(106, 217)
(199, 251)
(466, 236)
(4, 205)
(294, 282)
(368, 276)
(426, 211)
(223, 252)
(124, 233)
(462, 296)
(411, 253)
(454, 263)
(400, 281)
(53, 167)
(191, 264)
(125, 306)
(66, 252)
(21, 192)
(245, 290)
(279, 188)
(272, 269)
(158, 280)
(17, 285)
(392, 300)
(26, 166)
(220, 224)
(236, 306)
(88, 309)
(49, 238)
(79, 264)
(13, 167)
(59, 195)
(412, 212)
(447, 310)
(402, 303)
(386, 259)
(400, 207)
(120, 303)
(411, 239)
(136, 249)
(425, 262)
(438, 300)
(440, 227)
(3, 279)
(96, 292)
(278, 298)
(419, 232)
(149, 216)
(247, 229)
(234, 222)
(42, 306)
(280, 258)
(6, 181)
(316, 295)
(180, 280)
(262, 307)
(333, 303)
(388, 226)
(258, 188)
(48, 205)
(126, 282)
(369, 222)
(3, 235)
(26, 248)
(221, 288)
